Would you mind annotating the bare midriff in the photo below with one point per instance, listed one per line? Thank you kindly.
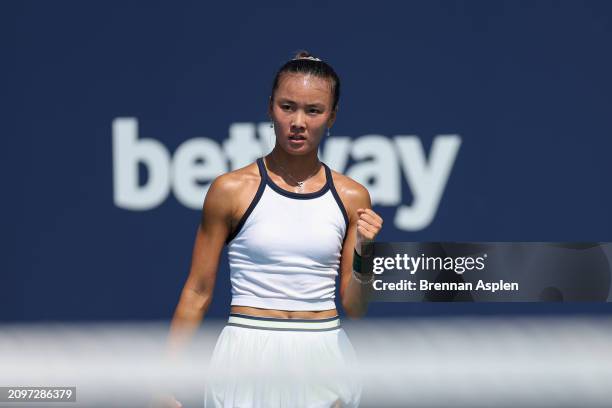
(284, 314)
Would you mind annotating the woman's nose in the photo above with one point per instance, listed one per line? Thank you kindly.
(298, 122)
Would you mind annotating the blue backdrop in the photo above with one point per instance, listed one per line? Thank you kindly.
(476, 120)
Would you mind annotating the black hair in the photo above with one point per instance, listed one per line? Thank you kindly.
(305, 63)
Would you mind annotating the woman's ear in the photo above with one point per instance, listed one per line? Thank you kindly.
(332, 117)
(270, 108)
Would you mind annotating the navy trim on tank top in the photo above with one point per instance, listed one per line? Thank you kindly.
(332, 187)
(292, 194)
(260, 190)
(265, 179)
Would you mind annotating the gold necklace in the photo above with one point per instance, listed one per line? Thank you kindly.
(300, 184)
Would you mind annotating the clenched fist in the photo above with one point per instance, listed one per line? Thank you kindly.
(368, 226)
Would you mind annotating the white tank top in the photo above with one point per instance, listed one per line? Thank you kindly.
(285, 251)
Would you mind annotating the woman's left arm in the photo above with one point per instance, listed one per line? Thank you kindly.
(364, 225)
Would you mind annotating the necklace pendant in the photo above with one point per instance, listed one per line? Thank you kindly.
(300, 185)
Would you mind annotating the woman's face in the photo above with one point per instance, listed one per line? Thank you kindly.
(301, 109)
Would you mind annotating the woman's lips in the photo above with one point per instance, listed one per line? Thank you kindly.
(297, 140)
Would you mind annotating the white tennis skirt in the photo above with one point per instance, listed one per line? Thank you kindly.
(293, 363)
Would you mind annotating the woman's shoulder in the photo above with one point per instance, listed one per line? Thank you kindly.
(236, 180)
(352, 193)
(228, 192)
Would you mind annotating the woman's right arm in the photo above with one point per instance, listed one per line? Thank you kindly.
(197, 293)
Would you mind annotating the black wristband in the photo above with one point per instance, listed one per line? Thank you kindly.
(356, 261)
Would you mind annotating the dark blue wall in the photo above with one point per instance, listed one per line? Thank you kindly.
(525, 85)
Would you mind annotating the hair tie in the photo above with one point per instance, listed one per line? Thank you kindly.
(310, 57)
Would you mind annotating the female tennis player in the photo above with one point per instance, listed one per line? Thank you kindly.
(291, 226)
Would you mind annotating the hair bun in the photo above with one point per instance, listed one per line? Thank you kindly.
(303, 54)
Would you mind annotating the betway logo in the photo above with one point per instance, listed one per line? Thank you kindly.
(379, 163)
